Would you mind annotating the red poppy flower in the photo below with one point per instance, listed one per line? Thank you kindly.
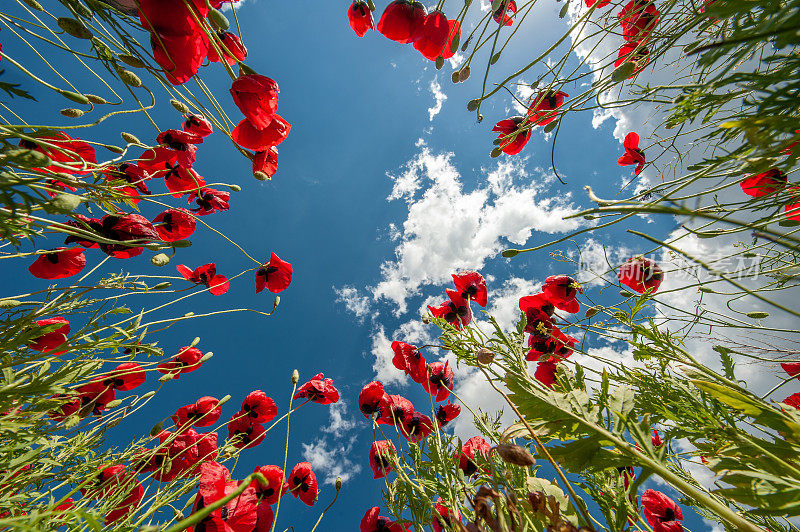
(247, 432)
(181, 180)
(436, 36)
(171, 16)
(632, 155)
(58, 264)
(95, 395)
(638, 20)
(265, 517)
(373, 399)
(443, 517)
(360, 17)
(186, 361)
(259, 407)
(556, 346)
(318, 390)
(661, 512)
(475, 446)
(561, 290)
(372, 522)
(471, 285)
(409, 359)
(512, 145)
(275, 275)
(126, 376)
(791, 368)
(636, 53)
(303, 483)
(398, 410)
(535, 304)
(640, 274)
(205, 275)
(380, 458)
(252, 138)
(764, 183)
(276, 486)
(126, 228)
(792, 209)
(69, 406)
(540, 112)
(600, 3)
(416, 427)
(538, 322)
(238, 515)
(134, 175)
(174, 224)
(230, 43)
(546, 373)
(209, 201)
(180, 55)
(502, 17)
(197, 124)
(113, 479)
(402, 21)
(456, 311)
(203, 413)
(72, 155)
(447, 413)
(793, 400)
(180, 140)
(84, 223)
(439, 380)
(655, 439)
(266, 161)
(257, 97)
(50, 341)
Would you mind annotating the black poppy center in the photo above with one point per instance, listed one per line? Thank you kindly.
(223, 514)
(669, 515)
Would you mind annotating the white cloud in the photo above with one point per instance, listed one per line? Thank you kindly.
(354, 302)
(439, 98)
(330, 461)
(339, 424)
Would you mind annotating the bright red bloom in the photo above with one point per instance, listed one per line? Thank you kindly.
(380, 458)
(209, 201)
(456, 311)
(126, 228)
(360, 17)
(640, 274)
(256, 97)
(276, 486)
(632, 155)
(636, 53)
(372, 522)
(546, 373)
(171, 16)
(561, 290)
(180, 55)
(265, 518)
(765, 183)
(197, 124)
(793, 400)
(535, 304)
(655, 439)
(398, 410)
(318, 390)
(467, 456)
(49, 342)
(126, 376)
(303, 483)
(409, 359)
(252, 138)
(661, 512)
(447, 413)
(248, 432)
(792, 209)
(402, 21)
(259, 407)
(275, 275)
(439, 380)
(111, 480)
(70, 406)
(471, 285)
(791, 368)
(556, 346)
(540, 112)
(186, 361)
(600, 3)
(638, 20)
(58, 264)
(84, 223)
(175, 147)
(96, 395)
(416, 427)
(205, 275)
(444, 517)
(134, 174)
(373, 399)
(519, 138)
(174, 224)
(266, 161)
(72, 155)
(436, 36)
(233, 49)
(238, 515)
(203, 413)
(502, 17)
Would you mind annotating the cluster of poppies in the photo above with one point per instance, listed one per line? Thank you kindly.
(407, 22)
(469, 285)
(515, 132)
(638, 19)
(275, 276)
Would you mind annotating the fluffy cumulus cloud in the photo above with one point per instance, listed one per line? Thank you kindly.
(439, 98)
(330, 455)
(353, 301)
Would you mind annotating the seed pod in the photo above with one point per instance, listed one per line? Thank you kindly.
(130, 139)
(496, 152)
(9, 303)
(463, 74)
(218, 20)
(515, 454)
(484, 356)
(74, 28)
(99, 100)
(161, 259)
(179, 106)
(129, 78)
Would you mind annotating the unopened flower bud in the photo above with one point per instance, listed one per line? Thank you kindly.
(484, 356)
(33, 4)
(591, 311)
(74, 96)
(473, 104)
(623, 72)
(115, 402)
(71, 112)
(235, 188)
(129, 78)
(195, 341)
(261, 176)
(158, 427)
(454, 77)
(74, 28)
(131, 60)
(496, 152)
(130, 139)
(515, 454)
(99, 100)
(66, 202)
(165, 378)
(27, 158)
(207, 356)
(439, 62)
(224, 400)
(9, 303)
(338, 483)
(179, 106)
(295, 377)
(161, 259)
(181, 243)
(218, 20)
(463, 74)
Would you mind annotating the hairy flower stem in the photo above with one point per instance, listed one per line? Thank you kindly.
(285, 451)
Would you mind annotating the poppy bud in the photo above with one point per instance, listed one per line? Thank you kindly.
(515, 454)
(181, 243)
(757, 315)
(563, 12)
(28, 158)
(295, 377)
(338, 483)
(129, 78)
(591, 311)
(71, 112)
(114, 149)
(179, 106)
(706, 289)
(439, 62)
(74, 28)
(9, 303)
(158, 427)
(147, 395)
(454, 77)
(115, 402)
(96, 99)
(261, 176)
(74, 96)
(218, 20)
(207, 356)
(623, 72)
(484, 356)
(33, 4)
(473, 104)
(625, 293)
(131, 60)
(167, 377)
(224, 400)
(496, 152)
(464, 74)
(276, 302)
(551, 126)
(495, 58)
(235, 188)
(66, 202)
(162, 259)
(195, 341)
(130, 139)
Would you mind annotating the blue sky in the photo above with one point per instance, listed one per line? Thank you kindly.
(365, 129)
